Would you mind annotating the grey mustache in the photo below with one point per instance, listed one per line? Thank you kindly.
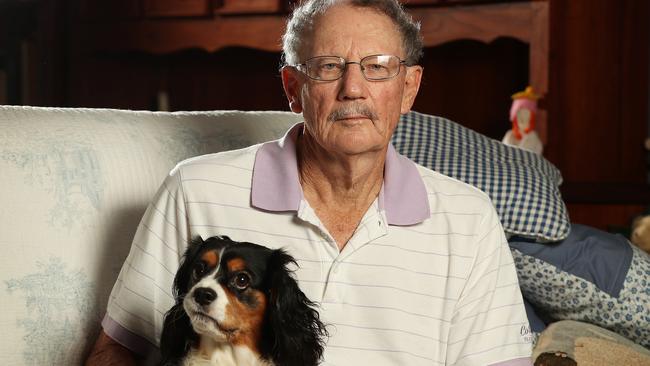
(352, 110)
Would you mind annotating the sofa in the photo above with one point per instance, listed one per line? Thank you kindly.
(75, 183)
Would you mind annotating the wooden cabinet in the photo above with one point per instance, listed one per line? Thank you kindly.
(483, 21)
(259, 24)
(114, 10)
(177, 8)
(251, 6)
(598, 107)
(151, 9)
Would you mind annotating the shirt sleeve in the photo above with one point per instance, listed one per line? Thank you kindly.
(489, 325)
(142, 293)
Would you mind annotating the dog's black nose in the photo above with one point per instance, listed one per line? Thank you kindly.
(204, 295)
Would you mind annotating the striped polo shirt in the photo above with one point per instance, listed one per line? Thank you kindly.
(426, 279)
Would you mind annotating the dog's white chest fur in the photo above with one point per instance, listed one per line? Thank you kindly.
(224, 356)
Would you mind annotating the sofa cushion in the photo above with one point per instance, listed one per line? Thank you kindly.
(591, 276)
(522, 185)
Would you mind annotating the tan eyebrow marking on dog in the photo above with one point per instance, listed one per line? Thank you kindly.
(236, 264)
(211, 258)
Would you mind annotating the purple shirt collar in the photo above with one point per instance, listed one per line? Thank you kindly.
(276, 184)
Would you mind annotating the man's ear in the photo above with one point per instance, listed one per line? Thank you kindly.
(291, 86)
(411, 87)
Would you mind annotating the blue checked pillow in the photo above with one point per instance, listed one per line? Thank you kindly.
(522, 185)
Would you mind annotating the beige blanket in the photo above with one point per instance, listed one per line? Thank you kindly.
(588, 345)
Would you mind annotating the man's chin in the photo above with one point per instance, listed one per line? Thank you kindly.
(358, 147)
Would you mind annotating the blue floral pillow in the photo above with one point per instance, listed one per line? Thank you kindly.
(523, 186)
(591, 276)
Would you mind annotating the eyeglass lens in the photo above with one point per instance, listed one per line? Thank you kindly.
(375, 67)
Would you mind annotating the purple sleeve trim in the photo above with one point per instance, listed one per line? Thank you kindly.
(127, 338)
(524, 361)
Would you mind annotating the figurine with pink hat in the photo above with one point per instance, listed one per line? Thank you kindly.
(522, 116)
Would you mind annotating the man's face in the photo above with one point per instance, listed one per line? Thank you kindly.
(352, 115)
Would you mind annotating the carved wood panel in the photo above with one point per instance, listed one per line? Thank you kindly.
(177, 8)
(249, 6)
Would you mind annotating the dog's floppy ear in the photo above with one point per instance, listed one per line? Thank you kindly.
(184, 273)
(297, 333)
(177, 336)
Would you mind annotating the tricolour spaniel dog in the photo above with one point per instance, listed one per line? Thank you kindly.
(238, 304)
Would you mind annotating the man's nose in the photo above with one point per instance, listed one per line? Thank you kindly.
(353, 83)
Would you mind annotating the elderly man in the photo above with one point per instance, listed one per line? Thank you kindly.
(409, 267)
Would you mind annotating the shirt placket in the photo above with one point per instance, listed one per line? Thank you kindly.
(372, 226)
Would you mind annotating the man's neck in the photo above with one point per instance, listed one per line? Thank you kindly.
(339, 187)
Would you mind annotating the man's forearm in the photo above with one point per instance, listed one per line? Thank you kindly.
(107, 352)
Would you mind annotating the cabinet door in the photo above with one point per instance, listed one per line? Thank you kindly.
(176, 8)
(249, 6)
(446, 2)
(115, 9)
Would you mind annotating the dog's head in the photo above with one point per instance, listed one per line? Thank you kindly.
(242, 294)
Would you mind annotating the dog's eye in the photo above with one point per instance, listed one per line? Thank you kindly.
(242, 280)
(200, 269)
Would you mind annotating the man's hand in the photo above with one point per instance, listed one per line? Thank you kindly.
(107, 352)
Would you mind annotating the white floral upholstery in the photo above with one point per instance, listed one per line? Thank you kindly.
(73, 186)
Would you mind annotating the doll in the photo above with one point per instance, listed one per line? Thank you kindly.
(522, 116)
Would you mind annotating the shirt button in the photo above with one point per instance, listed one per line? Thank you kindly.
(335, 268)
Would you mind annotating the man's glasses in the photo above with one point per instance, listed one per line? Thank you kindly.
(330, 68)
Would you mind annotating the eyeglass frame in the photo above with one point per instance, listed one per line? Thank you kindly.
(345, 67)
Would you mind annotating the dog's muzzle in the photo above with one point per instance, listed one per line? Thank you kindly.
(204, 296)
